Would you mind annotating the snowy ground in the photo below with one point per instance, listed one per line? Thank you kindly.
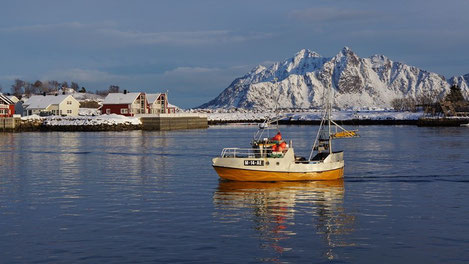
(315, 115)
(89, 112)
(85, 120)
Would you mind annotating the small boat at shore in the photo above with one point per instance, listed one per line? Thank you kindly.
(273, 159)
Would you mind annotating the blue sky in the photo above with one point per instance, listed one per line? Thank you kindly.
(195, 49)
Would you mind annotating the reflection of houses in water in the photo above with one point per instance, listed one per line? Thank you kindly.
(274, 206)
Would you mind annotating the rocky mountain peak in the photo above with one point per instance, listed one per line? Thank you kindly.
(299, 82)
(306, 53)
(259, 68)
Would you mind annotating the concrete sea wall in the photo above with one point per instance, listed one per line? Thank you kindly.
(148, 122)
(9, 123)
(173, 122)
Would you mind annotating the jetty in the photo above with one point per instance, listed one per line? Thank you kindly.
(174, 121)
(110, 122)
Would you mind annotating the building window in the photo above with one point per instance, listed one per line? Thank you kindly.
(69, 102)
(108, 111)
(53, 112)
(124, 111)
(69, 111)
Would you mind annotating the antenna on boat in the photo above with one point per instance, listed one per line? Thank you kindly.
(277, 103)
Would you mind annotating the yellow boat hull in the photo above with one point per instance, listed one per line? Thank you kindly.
(236, 174)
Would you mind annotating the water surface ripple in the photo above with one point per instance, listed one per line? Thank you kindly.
(153, 197)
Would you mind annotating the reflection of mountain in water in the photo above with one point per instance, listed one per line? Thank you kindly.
(274, 206)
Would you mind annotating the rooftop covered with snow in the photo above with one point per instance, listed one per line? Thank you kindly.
(42, 102)
(4, 99)
(120, 98)
(151, 98)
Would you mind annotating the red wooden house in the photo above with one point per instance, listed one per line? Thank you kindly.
(7, 106)
(127, 104)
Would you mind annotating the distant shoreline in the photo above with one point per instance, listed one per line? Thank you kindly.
(363, 122)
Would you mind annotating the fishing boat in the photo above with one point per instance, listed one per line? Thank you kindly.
(273, 159)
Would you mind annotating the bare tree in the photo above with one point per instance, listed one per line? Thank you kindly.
(38, 84)
(36, 87)
(17, 87)
(64, 84)
(427, 98)
(1, 88)
(28, 88)
(102, 92)
(113, 88)
(404, 104)
(74, 86)
(455, 94)
(54, 85)
(45, 87)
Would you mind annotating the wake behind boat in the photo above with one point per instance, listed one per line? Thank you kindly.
(272, 159)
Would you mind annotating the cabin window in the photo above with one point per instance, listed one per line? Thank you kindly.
(69, 102)
(108, 111)
(69, 111)
(124, 111)
(53, 112)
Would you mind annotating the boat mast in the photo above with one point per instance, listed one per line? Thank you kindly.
(329, 115)
(323, 140)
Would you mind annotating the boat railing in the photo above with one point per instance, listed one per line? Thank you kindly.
(239, 153)
(249, 153)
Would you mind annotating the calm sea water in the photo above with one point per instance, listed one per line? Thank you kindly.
(135, 197)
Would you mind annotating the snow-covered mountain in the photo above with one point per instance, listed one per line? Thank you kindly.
(461, 81)
(300, 82)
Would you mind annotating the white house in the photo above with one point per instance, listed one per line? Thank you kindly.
(13, 98)
(64, 105)
(158, 103)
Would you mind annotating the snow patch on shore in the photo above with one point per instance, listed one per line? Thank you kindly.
(315, 115)
(112, 119)
(89, 112)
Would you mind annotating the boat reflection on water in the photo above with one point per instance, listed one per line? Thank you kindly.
(272, 207)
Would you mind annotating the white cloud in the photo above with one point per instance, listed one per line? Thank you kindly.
(109, 32)
(182, 38)
(190, 70)
(330, 14)
(57, 26)
(82, 75)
